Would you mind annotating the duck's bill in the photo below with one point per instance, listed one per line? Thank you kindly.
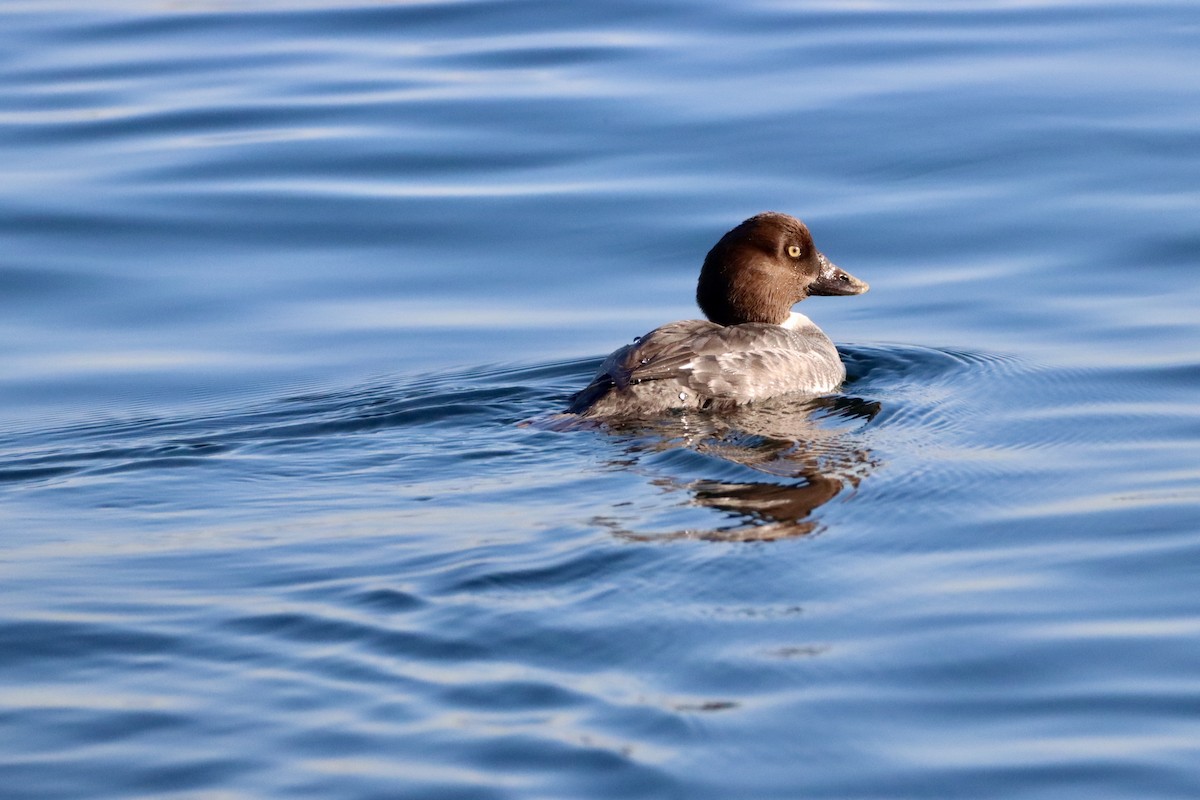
(834, 280)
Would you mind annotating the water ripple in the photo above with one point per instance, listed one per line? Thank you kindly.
(281, 282)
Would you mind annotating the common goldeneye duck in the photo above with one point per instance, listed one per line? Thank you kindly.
(752, 346)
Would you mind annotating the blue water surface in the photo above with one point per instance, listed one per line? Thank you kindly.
(291, 291)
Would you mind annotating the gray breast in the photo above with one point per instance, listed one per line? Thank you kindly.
(699, 364)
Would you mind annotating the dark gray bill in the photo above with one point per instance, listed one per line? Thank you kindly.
(835, 281)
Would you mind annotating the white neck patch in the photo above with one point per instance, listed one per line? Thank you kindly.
(795, 321)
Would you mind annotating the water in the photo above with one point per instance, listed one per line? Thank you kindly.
(282, 284)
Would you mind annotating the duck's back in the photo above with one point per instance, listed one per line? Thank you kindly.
(700, 364)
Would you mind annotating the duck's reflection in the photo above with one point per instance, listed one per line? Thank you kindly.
(815, 451)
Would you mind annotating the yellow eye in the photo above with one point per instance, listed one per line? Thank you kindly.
(794, 250)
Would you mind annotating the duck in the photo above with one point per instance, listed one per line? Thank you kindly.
(751, 346)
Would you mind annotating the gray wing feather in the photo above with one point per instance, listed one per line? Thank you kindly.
(741, 363)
